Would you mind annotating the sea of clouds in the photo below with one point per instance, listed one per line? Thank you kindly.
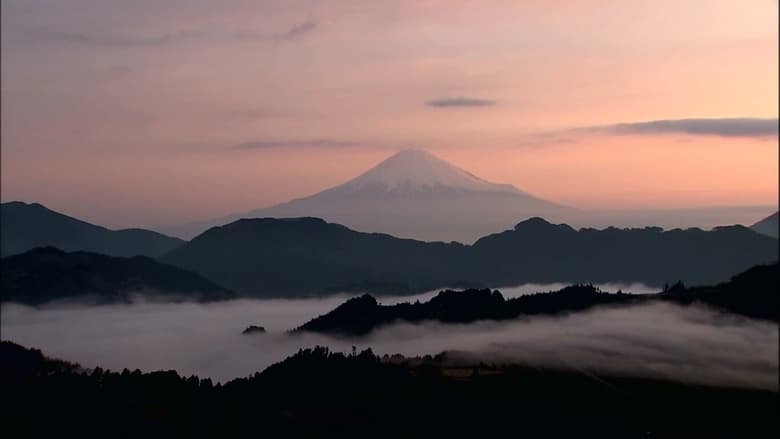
(691, 344)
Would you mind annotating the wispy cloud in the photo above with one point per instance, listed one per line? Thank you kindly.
(723, 127)
(120, 40)
(460, 102)
(124, 40)
(297, 143)
(250, 35)
(545, 139)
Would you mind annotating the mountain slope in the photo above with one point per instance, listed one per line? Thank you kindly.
(45, 274)
(768, 226)
(416, 195)
(27, 226)
(412, 170)
(310, 256)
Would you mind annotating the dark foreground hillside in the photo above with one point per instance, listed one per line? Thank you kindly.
(316, 393)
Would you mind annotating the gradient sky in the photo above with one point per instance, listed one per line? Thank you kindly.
(141, 113)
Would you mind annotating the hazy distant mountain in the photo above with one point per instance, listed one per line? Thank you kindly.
(413, 194)
(768, 226)
(310, 256)
(45, 274)
(26, 226)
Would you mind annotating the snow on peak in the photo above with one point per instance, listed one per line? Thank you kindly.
(420, 169)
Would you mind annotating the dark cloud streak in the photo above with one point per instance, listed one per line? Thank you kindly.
(299, 30)
(460, 102)
(269, 144)
(117, 40)
(120, 41)
(723, 127)
(543, 140)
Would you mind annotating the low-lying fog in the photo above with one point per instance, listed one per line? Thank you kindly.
(691, 344)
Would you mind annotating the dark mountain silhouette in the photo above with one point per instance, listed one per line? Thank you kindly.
(538, 251)
(20, 363)
(45, 274)
(360, 315)
(319, 393)
(310, 256)
(26, 226)
(768, 226)
(753, 293)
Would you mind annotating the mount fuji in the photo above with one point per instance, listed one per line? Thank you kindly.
(767, 226)
(414, 194)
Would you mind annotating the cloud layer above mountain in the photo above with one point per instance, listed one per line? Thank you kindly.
(289, 143)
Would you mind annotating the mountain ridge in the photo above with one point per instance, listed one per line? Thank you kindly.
(269, 257)
(47, 274)
(769, 226)
(29, 225)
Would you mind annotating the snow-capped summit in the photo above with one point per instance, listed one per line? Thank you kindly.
(414, 169)
(415, 194)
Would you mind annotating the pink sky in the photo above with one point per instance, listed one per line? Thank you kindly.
(129, 113)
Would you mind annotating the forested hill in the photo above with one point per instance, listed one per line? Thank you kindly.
(753, 293)
(318, 393)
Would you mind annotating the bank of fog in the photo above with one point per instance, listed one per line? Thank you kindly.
(659, 340)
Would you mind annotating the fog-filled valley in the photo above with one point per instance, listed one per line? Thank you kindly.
(76, 326)
(692, 344)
